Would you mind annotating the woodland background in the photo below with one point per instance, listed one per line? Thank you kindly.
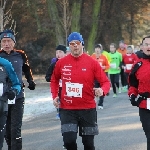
(40, 25)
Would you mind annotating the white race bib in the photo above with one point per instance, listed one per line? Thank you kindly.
(129, 66)
(11, 101)
(74, 89)
(1, 89)
(148, 103)
(113, 65)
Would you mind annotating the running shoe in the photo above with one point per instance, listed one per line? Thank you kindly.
(119, 90)
(124, 89)
(64, 147)
(115, 95)
(57, 116)
(100, 107)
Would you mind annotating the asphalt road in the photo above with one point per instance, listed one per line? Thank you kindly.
(119, 126)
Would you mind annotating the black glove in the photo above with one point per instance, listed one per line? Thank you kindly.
(133, 101)
(32, 85)
(11, 94)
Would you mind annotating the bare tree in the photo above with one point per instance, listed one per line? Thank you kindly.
(2, 8)
(66, 19)
(6, 18)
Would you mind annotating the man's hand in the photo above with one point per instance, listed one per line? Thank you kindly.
(11, 94)
(98, 91)
(132, 100)
(32, 85)
(56, 102)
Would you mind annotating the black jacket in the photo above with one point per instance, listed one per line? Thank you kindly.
(19, 61)
(50, 71)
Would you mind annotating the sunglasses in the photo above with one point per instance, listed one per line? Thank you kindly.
(75, 43)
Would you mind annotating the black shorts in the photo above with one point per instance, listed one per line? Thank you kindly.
(86, 120)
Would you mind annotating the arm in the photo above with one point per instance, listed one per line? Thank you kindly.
(54, 85)
(27, 70)
(50, 72)
(11, 74)
(133, 81)
(107, 66)
(101, 78)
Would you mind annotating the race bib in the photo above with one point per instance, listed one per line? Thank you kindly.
(129, 66)
(113, 65)
(148, 103)
(74, 89)
(1, 89)
(11, 101)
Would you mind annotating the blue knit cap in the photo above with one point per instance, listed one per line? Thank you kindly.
(75, 36)
(7, 34)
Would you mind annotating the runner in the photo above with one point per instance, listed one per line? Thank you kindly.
(7, 91)
(102, 60)
(139, 84)
(60, 53)
(20, 63)
(115, 68)
(122, 50)
(128, 60)
(77, 105)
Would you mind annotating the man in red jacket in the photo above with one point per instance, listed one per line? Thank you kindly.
(77, 105)
(139, 87)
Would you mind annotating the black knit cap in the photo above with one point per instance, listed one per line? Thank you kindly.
(62, 48)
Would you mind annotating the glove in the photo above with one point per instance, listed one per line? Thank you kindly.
(32, 85)
(132, 100)
(11, 94)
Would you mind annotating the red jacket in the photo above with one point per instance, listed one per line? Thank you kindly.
(82, 70)
(128, 61)
(140, 80)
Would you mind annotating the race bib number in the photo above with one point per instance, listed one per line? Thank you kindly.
(11, 101)
(74, 89)
(148, 103)
(113, 65)
(1, 89)
(129, 66)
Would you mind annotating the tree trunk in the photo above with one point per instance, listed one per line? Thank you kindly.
(95, 20)
(1, 18)
(76, 13)
(53, 13)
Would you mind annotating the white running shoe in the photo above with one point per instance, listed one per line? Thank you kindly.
(115, 95)
(119, 90)
(57, 116)
(100, 107)
(64, 147)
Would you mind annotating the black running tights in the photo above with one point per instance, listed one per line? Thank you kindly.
(70, 141)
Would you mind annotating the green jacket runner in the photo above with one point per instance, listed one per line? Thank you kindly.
(116, 59)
